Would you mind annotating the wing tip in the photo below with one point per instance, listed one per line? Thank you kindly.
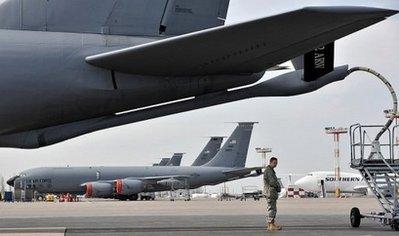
(357, 10)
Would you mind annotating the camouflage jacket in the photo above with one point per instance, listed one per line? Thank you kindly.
(272, 186)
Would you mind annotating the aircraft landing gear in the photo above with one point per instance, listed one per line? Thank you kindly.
(134, 197)
(187, 187)
(122, 198)
(395, 225)
(355, 217)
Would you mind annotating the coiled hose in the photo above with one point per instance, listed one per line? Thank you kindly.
(391, 90)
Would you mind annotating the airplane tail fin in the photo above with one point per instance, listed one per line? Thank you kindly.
(164, 161)
(175, 160)
(209, 151)
(234, 152)
(316, 63)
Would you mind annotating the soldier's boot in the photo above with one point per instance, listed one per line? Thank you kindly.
(273, 227)
(278, 227)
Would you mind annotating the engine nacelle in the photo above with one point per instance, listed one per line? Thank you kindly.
(128, 186)
(98, 190)
(173, 183)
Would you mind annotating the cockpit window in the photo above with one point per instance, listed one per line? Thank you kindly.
(310, 174)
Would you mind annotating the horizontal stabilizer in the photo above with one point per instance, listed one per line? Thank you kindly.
(248, 47)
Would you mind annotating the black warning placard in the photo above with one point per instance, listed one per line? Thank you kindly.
(319, 62)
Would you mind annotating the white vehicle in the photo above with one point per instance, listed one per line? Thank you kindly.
(316, 181)
(200, 196)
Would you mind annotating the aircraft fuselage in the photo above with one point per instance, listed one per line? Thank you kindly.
(70, 179)
(45, 80)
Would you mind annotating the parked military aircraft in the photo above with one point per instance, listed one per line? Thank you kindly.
(127, 182)
(69, 68)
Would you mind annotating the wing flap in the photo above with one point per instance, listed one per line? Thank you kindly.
(159, 178)
(248, 47)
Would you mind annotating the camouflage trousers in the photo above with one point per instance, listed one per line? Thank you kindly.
(271, 209)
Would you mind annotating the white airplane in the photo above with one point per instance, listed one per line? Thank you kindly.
(349, 182)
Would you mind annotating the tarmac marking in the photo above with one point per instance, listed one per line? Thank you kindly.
(222, 229)
(49, 231)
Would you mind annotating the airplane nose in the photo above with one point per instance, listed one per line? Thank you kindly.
(11, 181)
(299, 182)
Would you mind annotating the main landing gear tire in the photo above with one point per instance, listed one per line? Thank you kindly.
(355, 217)
(122, 198)
(395, 225)
(134, 197)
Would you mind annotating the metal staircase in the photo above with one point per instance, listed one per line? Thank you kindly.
(379, 170)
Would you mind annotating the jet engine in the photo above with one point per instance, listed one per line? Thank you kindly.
(98, 189)
(128, 186)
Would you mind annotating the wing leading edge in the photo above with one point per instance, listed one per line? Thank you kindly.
(248, 47)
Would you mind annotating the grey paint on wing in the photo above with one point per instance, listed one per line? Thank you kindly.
(209, 151)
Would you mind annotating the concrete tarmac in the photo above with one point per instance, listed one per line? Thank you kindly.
(198, 217)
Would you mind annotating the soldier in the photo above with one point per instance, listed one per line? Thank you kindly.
(272, 188)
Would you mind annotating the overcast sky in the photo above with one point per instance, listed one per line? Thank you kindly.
(293, 126)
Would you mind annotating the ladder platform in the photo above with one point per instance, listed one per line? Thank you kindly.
(357, 164)
(376, 162)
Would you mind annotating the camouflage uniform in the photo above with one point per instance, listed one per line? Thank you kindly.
(272, 188)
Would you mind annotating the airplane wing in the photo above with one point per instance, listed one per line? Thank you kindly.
(248, 47)
(244, 171)
(152, 179)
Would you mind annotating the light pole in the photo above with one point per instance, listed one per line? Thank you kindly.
(264, 152)
(336, 132)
